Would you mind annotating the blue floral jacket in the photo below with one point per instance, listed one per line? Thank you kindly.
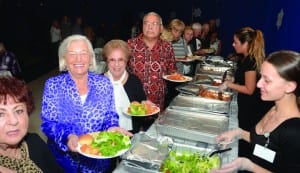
(63, 113)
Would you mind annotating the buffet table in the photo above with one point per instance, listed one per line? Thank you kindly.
(191, 120)
(226, 157)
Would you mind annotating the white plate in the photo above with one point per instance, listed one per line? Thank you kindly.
(187, 78)
(185, 59)
(125, 111)
(209, 50)
(100, 157)
(94, 134)
(196, 57)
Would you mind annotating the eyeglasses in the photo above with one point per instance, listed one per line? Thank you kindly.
(82, 54)
(154, 24)
(119, 61)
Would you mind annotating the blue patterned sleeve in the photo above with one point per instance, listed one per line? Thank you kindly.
(51, 127)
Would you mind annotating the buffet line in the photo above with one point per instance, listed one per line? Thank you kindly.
(184, 133)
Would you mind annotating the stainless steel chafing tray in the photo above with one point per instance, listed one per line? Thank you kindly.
(195, 126)
(206, 68)
(199, 104)
(180, 148)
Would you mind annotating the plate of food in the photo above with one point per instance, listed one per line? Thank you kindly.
(184, 59)
(177, 77)
(141, 109)
(197, 57)
(209, 50)
(103, 145)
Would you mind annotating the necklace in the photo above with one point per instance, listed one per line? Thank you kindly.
(262, 130)
(264, 124)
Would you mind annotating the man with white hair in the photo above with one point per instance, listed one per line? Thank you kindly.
(196, 43)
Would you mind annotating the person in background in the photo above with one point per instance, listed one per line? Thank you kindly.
(77, 27)
(213, 25)
(249, 44)
(276, 136)
(152, 58)
(9, 63)
(188, 35)
(55, 34)
(65, 26)
(166, 35)
(21, 151)
(135, 29)
(215, 43)
(90, 34)
(197, 28)
(204, 36)
(127, 87)
(77, 102)
(176, 28)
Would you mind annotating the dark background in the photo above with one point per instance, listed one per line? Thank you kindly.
(25, 24)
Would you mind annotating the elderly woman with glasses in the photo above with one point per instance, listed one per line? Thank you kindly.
(77, 102)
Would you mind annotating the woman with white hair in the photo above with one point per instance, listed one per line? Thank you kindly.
(75, 103)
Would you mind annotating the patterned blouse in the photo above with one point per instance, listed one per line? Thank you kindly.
(63, 113)
(151, 65)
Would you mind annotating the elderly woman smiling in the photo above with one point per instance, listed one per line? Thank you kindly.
(127, 87)
(77, 102)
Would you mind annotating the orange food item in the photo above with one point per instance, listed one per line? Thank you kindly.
(176, 76)
(89, 150)
(85, 139)
(213, 95)
(150, 109)
(216, 83)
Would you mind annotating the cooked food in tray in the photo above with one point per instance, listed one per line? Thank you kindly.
(212, 94)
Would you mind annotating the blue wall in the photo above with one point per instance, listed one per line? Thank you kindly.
(261, 14)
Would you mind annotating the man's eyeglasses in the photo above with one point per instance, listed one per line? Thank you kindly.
(154, 24)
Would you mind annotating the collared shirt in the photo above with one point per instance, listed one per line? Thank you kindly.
(151, 65)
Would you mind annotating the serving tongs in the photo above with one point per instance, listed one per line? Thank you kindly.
(219, 151)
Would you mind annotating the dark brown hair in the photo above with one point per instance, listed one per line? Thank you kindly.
(16, 89)
(287, 64)
(256, 43)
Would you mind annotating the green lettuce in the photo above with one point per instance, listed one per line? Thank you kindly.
(189, 162)
(137, 109)
(110, 143)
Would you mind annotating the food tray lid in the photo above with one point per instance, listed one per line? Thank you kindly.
(197, 126)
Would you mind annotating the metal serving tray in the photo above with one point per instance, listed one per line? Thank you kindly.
(199, 104)
(211, 69)
(195, 126)
(135, 168)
